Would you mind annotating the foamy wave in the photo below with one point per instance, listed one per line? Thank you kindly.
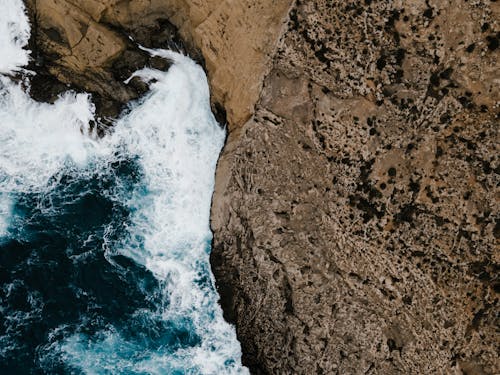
(38, 139)
(14, 35)
(175, 139)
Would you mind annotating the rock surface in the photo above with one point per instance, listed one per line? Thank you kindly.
(87, 46)
(356, 212)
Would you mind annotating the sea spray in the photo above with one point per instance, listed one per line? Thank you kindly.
(104, 242)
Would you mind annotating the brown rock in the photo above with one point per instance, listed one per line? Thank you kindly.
(79, 42)
(236, 40)
(356, 213)
(79, 45)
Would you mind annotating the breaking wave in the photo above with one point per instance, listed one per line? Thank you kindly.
(104, 242)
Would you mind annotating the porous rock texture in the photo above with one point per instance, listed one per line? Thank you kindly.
(356, 214)
(356, 209)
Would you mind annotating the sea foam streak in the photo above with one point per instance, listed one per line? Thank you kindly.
(173, 138)
(14, 35)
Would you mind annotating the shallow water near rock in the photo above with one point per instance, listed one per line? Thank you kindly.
(105, 242)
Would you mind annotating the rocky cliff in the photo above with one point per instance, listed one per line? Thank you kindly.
(95, 45)
(356, 210)
(356, 213)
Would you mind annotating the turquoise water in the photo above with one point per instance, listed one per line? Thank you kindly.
(105, 242)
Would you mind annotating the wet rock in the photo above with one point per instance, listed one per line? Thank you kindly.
(86, 47)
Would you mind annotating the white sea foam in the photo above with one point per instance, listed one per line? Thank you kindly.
(176, 139)
(14, 35)
(5, 213)
(38, 139)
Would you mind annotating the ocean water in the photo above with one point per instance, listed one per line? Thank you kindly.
(105, 242)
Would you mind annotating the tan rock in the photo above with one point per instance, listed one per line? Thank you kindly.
(73, 34)
(236, 39)
(355, 215)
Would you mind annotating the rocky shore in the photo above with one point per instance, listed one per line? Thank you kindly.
(94, 47)
(356, 210)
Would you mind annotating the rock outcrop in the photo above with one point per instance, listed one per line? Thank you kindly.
(94, 46)
(356, 210)
(356, 214)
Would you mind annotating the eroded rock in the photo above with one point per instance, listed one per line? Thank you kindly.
(78, 43)
(83, 46)
(356, 214)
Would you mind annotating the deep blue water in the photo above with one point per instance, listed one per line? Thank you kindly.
(53, 271)
(55, 280)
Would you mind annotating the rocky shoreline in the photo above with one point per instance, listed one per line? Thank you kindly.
(356, 210)
(82, 49)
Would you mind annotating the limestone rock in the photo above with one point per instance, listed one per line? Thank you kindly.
(78, 41)
(236, 39)
(79, 45)
(356, 214)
